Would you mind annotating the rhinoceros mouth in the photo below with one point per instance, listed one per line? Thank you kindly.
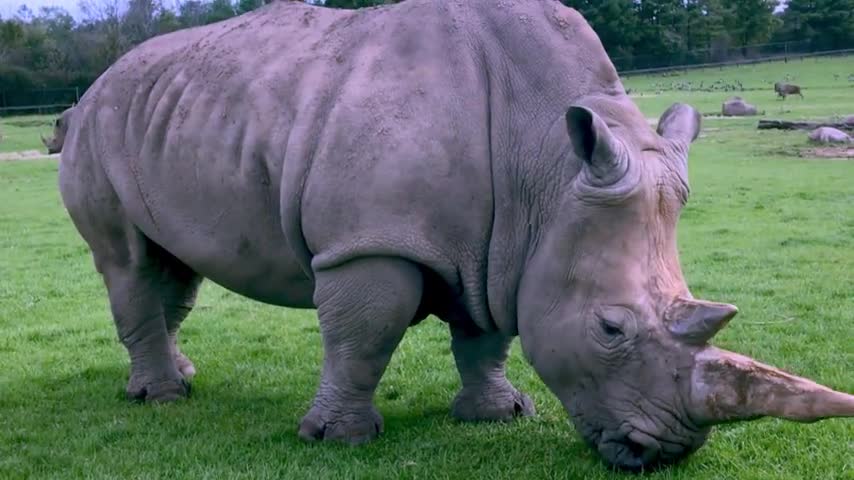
(637, 450)
(633, 451)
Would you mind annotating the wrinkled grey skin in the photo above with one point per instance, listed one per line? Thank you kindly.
(849, 120)
(737, 107)
(829, 135)
(60, 127)
(476, 160)
(784, 89)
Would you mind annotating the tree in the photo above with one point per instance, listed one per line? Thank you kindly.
(219, 10)
(192, 13)
(828, 24)
(244, 6)
(356, 3)
(751, 21)
(140, 20)
(615, 21)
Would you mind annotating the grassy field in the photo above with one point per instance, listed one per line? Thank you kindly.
(22, 133)
(764, 229)
(827, 89)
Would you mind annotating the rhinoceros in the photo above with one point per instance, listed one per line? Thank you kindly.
(828, 135)
(784, 89)
(60, 127)
(479, 161)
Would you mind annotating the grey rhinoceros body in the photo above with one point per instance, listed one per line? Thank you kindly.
(476, 160)
(829, 135)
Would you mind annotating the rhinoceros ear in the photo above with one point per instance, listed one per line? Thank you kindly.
(593, 142)
(680, 122)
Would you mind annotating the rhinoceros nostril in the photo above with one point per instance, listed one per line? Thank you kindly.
(635, 448)
(644, 447)
(634, 451)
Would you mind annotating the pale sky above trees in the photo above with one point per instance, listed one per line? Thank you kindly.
(9, 7)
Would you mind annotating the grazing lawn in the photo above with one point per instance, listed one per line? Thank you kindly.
(827, 85)
(22, 133)
(764, 229)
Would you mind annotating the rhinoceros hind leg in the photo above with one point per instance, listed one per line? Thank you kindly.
(364, 308)
(486, 395)
(149, 290)
(180, 288)
(148, 300)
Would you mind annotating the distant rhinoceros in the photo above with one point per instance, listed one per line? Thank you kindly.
(737, 107)
(784, 89)
(60, 127)
(829, 135)
(478, 163)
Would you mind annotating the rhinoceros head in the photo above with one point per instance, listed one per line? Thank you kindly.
(60, 127)
(607, 321)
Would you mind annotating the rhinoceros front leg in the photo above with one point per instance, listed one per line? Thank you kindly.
(364, 308)
(486, 392)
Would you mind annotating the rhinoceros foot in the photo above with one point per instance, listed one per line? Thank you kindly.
(185, 366)
(502, 403)
(354, 427)
(158, 391)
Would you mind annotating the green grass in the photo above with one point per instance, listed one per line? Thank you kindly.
(768, 231)
(22, 133)
(824, 81)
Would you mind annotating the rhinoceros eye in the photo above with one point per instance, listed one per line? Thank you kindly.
(613, 327)
(610, 328)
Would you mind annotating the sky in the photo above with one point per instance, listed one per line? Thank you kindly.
(9, 7)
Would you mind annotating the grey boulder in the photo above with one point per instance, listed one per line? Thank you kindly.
(737, 107)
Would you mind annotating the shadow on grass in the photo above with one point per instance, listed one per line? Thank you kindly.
(227, 421)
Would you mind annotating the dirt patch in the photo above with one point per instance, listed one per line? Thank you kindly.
(834, 152)
(26, 155)
(837, 152)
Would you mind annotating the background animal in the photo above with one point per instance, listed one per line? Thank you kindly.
(60, 127)
(784, 89)
(829, 135)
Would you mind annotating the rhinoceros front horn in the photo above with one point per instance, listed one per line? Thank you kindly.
(49, 143)
(727, 387)
(605, 159)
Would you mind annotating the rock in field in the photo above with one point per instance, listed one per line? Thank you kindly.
(737, 107)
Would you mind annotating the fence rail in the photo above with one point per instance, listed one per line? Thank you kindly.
(721, 55)
(38, 109)
(46, 100)
(733, 63)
